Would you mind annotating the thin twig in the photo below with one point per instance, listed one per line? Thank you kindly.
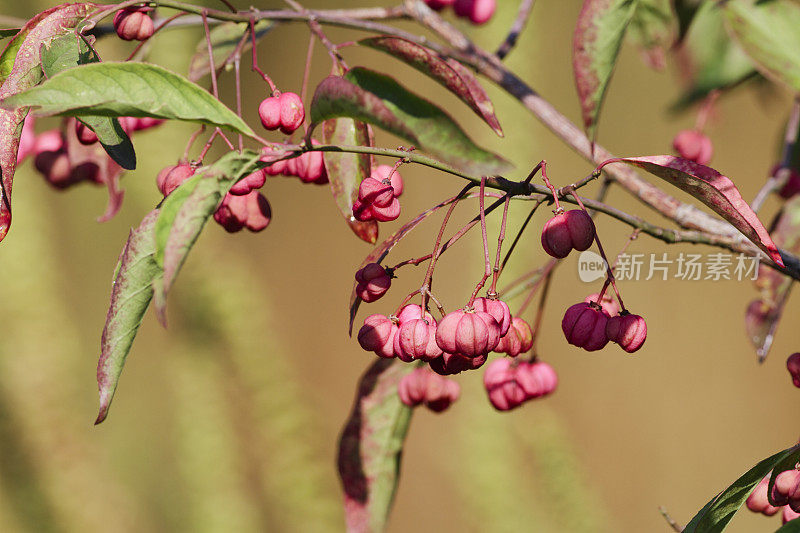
(672, 523)
(782, 171)
(525, 8)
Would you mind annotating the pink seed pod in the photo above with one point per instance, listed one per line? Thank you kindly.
(413, 387)
(369, 272)
(249, 183)
(788, 514)
(84, 133)
(477, 11)
(311, 168)
(134, 24)
(758, 502)
(375, 193)
(440, 393)
(470, 334)
(438, 5)
(608, 304)
(27, 139)
(556, 239)
(292, 112)
(48, 141)
(453, 363)
(627, 330)
(537, 379)
(793, 365)
(388, 213)
(362, 211)
(581, 229)
(55, 167)
(269, 111)
(501, 385)
(584, 325)
(143, 123)
(519, 338)
(172, 176)
(498, 309)
(416, 339)
(372, 282)
(275, 169)
(232, 213)
(413, 312)
(787, 484)
(694, 146)
(291, 167)
(382, 172)
(377, 335)
(259, 212)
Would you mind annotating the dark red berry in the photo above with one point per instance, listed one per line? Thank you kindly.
(584, 325)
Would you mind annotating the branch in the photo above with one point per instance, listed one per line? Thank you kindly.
(524, 13)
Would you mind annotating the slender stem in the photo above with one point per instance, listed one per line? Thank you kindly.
(550, 186)
(782, 172)
(705, 110)
(215, 90)
(500, 237)
(487, 262)
(672, 523)
(548, 269)
(307, 70)
(632, 237)
(537, 322)
(523, 14)
(192, 139)
(414, 262)
(238, 77)
(229, 5)
(519, 233)
(255, 67)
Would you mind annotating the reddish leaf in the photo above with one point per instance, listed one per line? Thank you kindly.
(346, 171)
(371, 446)
(598, 36)
(713, 189)
(20, 69)
(763, 314)
(446, 71)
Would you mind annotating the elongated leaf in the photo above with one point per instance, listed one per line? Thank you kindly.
(444, 70)
(595, 46)
(653, 29)
(224, 39)
(69, 51)
(709, 57)
(346, 171)
(186, 210)
(20, 68)
(792, 526)
(10, 32)
(764, 314)
(127, 89)
(717, 513)
(767, 31)
(375, 98)
(371, 446)
(713, 189)
(130, 296)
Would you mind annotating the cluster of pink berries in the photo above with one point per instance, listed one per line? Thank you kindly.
(477, 11)
(134, 23)
(422, 386)
(591, 325)
(567, 231)
(510, 383)
(378, 195)
(694, 146)
(785, 496)
(309, 167)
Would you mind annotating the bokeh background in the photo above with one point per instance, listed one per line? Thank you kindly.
(229, 419)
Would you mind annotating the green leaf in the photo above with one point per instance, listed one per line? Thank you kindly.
(67, 52)
(127, 89)
(224, 40)
(446, 71)
(184, 213)
(378, 99)
(346, 171)
(792, 526)
(598, 36)
(716, 514)
(710, 57)
(653, 29)
(130, 295)
(767, 30)
(371, 446)
(20, 68)
(10, 32)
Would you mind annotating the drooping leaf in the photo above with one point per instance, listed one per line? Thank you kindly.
(767, 31)
(378, 99)
(652, 29)
(717, 513)
(596, 42)
(130, 295)
(127, 89)
(20, 68)
(709, 57)
(371, 446)
(224, 39)
(444, 70)
(184, 213)
(346, 171)
(713, 189)
(764, 314)
(69, 51)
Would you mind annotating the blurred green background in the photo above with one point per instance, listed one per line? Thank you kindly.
(228, 420)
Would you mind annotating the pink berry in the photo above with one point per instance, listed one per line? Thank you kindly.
(694, 146)
(786, 483)
(140, 123)
(372, 282)
(382, 172)
(377, 335)
(413, 312)
(608, 304)
(565, 231)
(498, 309)
(470, 334)
(413, 388)
(501, 385)
(441, 392)
(55, 167)
(793, 365)
(416, 339)
(292, 112)
(259, 212)
(269, 111)
(478, 11)
(453, 363)
(758, 502)
(388, 213)
(537, 379)
(375, 192)
(172, 176)
(438, 5)
(311, 168)
(584, 325)
(362, 211)
(519, 338)
(48, 141)
(788, 514)
(249, 183)
(232, 213)
(134, 24)
(84, 133)
(627, 330)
